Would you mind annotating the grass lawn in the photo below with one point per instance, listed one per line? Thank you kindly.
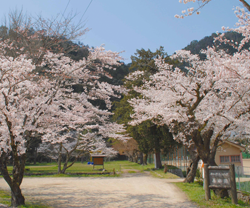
(118, 166)
(50, 169)
(4, 197)
(196, 194)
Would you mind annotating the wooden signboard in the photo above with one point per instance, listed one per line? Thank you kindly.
(217, 177)
(98, 160)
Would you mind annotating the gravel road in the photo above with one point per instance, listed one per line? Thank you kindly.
(128, 191)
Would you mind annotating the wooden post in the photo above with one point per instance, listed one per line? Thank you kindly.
(178, 155)
(233, 184)
(175, 153)
(206, 181)
(185, 160)
(165, 168)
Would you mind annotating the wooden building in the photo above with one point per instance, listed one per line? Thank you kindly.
(229, 153)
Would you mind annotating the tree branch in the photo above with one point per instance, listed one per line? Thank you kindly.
(245, 4)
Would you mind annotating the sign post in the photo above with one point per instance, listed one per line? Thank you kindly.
(206, 183)
(217, 177)
(233, 184)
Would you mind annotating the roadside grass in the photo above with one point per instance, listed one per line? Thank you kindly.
(243, 186)
(79, 175)
(5, 198)
(196, 194)
(160, 174)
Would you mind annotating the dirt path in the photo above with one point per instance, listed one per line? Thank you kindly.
(130, 190)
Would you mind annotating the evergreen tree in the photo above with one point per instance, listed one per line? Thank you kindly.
(150, 137)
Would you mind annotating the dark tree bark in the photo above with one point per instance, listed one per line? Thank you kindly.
(17, 198)
(245, 4)
(135, 156)
(35, 156)
(59, 162)
(141, 158)
(69, 155)
(192, 172)
(202, 144)
(158, 163)
(157, 153)
(15, 181)
(145, 158)
(66, 166)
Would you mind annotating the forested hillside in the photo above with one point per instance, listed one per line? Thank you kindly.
(196, 46)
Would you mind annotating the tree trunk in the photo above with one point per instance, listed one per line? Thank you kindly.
(135, 157)
(145, 158)
(68, 155)
(158, 159)
(65, 166)
(15, 181)
(192, 171)
(141, 158)
(59, 159)
(35, 156)
(157, 153)
(17, 198)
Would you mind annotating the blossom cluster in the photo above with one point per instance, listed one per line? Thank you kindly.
(45, 102)
(191, 10)
(213, 95)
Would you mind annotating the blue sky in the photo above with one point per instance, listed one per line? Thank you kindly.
(127, 25)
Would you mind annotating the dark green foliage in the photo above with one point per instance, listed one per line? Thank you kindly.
(117, 75)
(33, 140)
(196, 46)
(198, 174)
(151, 137)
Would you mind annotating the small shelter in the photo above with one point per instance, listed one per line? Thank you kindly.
(229, 153)
(98, 160)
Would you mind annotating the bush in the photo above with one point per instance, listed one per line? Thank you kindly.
(198, 174)
(184, 173)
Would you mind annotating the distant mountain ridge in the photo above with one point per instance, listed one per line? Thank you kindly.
(196, 46)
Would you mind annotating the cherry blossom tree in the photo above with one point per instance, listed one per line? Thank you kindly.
(75, 147)
(203, 106)
(201, 4)
(44, 102)
(75, 135)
